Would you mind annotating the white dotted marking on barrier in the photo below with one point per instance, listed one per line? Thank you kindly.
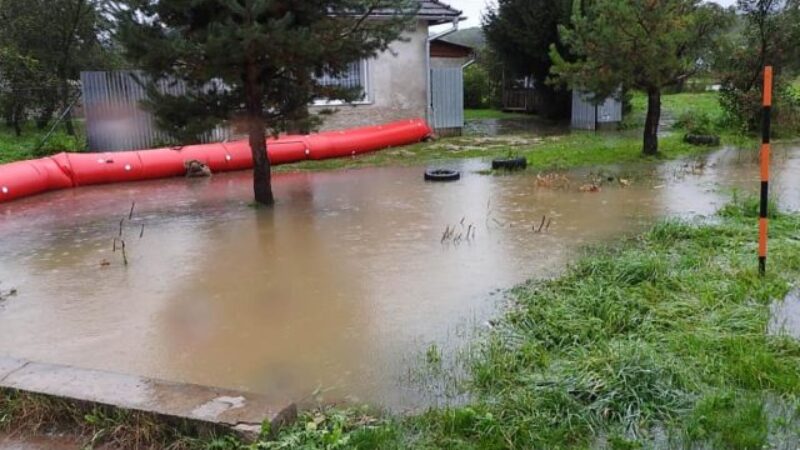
(5, 190)
(101, 161)
(228, 157)
(127, 167)
(308, 152)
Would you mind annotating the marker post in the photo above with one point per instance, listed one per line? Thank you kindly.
(763, 221)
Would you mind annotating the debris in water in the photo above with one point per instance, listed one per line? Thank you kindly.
(196, 169)
(104, 263)
(624, 182)
(552, 180)
(591, 187)
(4, 295)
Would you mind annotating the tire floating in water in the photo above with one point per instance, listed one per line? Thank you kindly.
(509, 163)
(442, 175)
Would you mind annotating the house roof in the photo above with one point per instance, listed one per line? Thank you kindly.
(444, 49)
(432, 11)
(437, 11)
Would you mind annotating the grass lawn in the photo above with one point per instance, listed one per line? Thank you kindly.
(675, 105)
(13, 148)
(474, 114)
(579, 148)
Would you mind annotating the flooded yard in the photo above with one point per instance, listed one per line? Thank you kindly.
(340, 289)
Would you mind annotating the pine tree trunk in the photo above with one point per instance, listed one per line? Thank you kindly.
(651, 124)
(262, 183)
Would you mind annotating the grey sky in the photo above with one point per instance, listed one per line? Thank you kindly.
(473, 9)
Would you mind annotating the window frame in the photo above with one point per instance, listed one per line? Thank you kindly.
(367, 86)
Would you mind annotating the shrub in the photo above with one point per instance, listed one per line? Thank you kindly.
(694, 122)
(477, 87)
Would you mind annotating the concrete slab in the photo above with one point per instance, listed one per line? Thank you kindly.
(9, 365)
(184, 401)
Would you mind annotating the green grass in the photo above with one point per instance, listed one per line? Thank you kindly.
(15, 148)
(675, 106)
(576, 149)
(475, 114)
(664, 331)
(101, 426)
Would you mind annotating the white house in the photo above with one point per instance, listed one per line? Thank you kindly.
(397, 83)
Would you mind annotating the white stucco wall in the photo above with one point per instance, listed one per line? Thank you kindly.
(397, 86)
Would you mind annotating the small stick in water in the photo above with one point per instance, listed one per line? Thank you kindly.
(549, 221)
(130, 216)
(141, 233)
(121, 222)
(114, 246)
(124, 255)
(541, 225)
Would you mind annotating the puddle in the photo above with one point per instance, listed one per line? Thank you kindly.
(517, 126)
(340, 289)
(785, 316)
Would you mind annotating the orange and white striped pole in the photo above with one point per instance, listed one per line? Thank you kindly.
(763, 220)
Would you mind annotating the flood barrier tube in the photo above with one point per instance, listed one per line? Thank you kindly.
(67, 170)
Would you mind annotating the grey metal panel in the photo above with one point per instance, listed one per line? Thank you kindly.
(586, 114)
(610, 111)
(447, 97)
(115, 119)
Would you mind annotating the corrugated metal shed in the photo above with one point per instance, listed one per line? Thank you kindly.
(447, 90)
(588, 115)
(115, 120)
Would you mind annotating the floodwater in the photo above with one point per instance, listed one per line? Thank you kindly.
(339, 290)
(532, 125)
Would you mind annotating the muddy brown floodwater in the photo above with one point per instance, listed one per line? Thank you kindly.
(340, 289)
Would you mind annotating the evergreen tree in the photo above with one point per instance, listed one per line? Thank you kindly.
(521, 33)
(645, 45)
(254, 60)
(769, 34)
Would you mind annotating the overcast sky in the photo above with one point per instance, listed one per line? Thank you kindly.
(473, 9)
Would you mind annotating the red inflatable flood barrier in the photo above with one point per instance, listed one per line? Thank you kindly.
(66, 170)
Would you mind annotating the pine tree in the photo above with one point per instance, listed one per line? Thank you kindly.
(257, 61)
(646, 45)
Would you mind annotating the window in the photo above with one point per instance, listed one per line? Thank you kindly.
(355, 77)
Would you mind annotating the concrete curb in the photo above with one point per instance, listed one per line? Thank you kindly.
(239, 411)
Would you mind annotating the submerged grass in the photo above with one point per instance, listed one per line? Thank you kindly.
(556, 152)
(658, 341)
(479, 114)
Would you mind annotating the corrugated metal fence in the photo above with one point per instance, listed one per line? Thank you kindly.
(586, 115)
(116, 121)
(447, 98)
